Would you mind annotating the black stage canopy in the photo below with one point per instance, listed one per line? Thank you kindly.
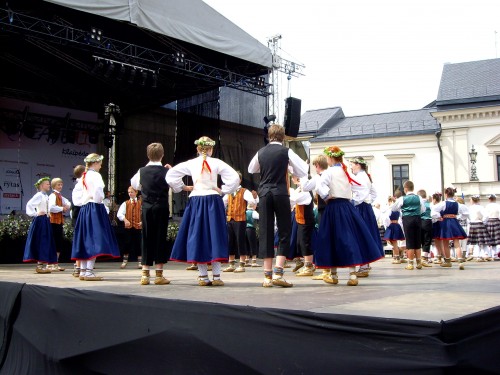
(139, 55)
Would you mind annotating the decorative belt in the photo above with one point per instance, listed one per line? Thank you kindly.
(394, 222)
(449, 216)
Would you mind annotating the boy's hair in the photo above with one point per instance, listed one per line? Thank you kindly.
(321, 161)
(276, 133)
(155, 152)
(408, 185)
(422, 193)
(55, 181)
(78, 171)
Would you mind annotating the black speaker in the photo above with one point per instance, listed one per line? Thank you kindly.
(292, 116)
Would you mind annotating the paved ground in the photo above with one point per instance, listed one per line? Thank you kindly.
(431, 294)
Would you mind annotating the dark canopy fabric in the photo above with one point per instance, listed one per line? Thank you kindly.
(67, 331)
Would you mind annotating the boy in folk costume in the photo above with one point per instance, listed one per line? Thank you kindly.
(304, 216)
(130, 213)
(202, 236)
(151, 180)
(236, 204)
(40, 246)
(94, 237)
(252, 217)
(411, 206)
(57, 206)
(426, 230)
(272, 163)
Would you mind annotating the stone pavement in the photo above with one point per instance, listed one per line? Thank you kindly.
(430, 294)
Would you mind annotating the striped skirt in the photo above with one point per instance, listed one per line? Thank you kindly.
(478, 234)
(493, 228)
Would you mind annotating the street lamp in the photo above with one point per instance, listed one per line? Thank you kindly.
(473, 155)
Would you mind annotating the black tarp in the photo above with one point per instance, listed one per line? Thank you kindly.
(68, 331)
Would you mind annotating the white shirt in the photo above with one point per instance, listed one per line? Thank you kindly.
(436, 209)
(247, 196)
(204, 182)
(399, 203)
(493, 210)
(135, 181)
(298, 165)
(364, 192)
(53, 207)
(122, 211)
(38, 204)
(477, 213)
(92, 190)
(299, 196)
(334, 184)
(77, 193)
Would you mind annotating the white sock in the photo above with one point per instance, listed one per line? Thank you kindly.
(203, 270)
(216, 267)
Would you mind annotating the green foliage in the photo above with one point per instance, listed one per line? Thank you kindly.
(14, 227)
(68, 230)
(173, 228)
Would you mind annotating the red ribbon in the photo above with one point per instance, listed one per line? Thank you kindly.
(83, 179)
(344, 167)
(205, 166)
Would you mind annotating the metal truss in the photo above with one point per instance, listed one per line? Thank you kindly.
(131, 54)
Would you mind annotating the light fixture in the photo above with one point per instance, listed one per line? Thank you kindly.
(121, 73)
(144, 77)
(95, 34)
(108, 140)
(154, 83)
(179, 59)
(93, 137)
(473, 156)
(269, 119)
(109, 71)
(131, 78)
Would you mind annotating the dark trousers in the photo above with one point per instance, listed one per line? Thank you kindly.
(269, 206)
(252, 242)
(304, 239)
(426, 233)
(132, 242)
(154, 233)
(237, 240)
(57, 232)
(412, 226)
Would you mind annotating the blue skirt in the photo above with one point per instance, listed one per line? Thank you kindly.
(451, 230)
(394, 233)
(366, 212)
(436, 230)
(40, 245)
(344, 239)
(202, 236)
(94, 237)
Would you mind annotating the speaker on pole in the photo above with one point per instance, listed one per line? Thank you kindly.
(292, 116)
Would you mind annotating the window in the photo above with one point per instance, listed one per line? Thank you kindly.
(400, 174)
(498, 167)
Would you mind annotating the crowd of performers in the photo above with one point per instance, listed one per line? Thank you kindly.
(325, 223)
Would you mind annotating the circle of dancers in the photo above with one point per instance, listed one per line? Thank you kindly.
(327, 223)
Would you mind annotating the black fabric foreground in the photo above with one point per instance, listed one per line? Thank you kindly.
(68, 331)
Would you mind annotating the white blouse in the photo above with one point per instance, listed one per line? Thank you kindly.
(39, 204)
(334, 184)
(204, 182)
(91, 191)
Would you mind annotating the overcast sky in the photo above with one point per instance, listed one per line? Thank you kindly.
(369, 56)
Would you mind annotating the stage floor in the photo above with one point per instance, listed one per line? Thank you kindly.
(430, 294)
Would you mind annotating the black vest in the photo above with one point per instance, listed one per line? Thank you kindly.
(154, 187)
(273, 160)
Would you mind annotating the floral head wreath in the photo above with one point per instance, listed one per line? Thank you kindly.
(39, 182)
(202, 143)
(358, 161)
(328, 151)
(476, 196)
(93, 159)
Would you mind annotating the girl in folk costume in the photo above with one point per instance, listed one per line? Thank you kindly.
(93, 236)
(130, 213)
(450, 227)
(236, 205)
(344, 236)
(202, 236)
(393, 230)
(436, 229)
(363, 194)
(75, 209)
(57, 206)
(479, 238)
(40, 245)
(493, 224)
